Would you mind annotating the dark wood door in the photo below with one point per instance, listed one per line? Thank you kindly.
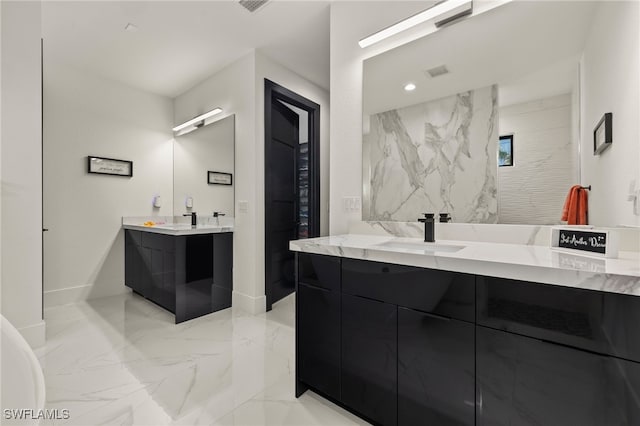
(281, 202)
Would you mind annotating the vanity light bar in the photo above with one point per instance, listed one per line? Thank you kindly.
(444, 11)
(197, 119)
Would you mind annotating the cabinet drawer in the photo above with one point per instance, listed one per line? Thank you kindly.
(444, 293)
(321, 271)
(600, 322)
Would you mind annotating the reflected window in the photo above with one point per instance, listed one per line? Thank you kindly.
(505, 151)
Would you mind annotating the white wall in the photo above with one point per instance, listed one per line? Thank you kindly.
(21, 266)
(545, 166)
(209, 148)
(87, 115)
(610, 74)
(239, 89)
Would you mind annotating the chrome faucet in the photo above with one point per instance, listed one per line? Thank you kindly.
(194, 218)
(429, 227)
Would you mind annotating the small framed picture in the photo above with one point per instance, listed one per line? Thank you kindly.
(505, 151)
(219, 178)
(109, 166)
(602, 134)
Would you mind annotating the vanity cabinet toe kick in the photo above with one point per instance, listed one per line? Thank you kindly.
(403, 345)
(188, 275)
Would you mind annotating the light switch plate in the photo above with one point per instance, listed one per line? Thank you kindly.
(243, 206)
(351, 204)
(188, 202)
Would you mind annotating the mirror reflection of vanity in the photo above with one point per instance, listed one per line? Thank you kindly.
(185, 264)
(541, 74)
(203, 171)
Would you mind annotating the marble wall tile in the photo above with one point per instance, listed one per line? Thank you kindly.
(438, 156)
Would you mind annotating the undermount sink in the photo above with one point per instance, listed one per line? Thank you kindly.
(426, 247)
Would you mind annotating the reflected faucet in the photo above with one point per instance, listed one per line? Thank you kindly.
(194, 218)
(217, 215)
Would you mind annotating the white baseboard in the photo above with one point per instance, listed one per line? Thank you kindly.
(68, 295)
(35, 334)
(250, 304)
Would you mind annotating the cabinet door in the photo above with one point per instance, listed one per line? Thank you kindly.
(524, 381)
(130, 258)
(436, 370)
(318, 362)
(370, 358)
(222, 271)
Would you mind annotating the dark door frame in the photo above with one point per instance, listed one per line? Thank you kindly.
(272, 92)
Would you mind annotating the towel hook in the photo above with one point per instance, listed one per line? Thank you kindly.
(588, 188)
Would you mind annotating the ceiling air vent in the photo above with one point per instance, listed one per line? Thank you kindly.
(253, 5)
(437, 71)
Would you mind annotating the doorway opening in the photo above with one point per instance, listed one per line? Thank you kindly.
(292, 183)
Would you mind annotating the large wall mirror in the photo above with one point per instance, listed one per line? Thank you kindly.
(491, 132)
(207, 149)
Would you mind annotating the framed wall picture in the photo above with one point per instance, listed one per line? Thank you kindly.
(109, 166)
(219, 178)
(602, 134)
(505, 151)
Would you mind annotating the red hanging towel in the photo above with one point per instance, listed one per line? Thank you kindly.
(575, 206)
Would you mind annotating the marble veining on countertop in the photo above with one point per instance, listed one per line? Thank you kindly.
(515, 261)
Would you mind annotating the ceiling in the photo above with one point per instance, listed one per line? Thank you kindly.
(529, 48)
(178, 44)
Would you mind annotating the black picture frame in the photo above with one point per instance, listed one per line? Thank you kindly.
(219, 178)
(109, 166)
(505, 160)
(603, 134)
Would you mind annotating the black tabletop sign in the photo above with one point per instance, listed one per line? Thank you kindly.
(595, 242)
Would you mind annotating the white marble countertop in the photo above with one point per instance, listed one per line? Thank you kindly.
(515, 261)
(177, 225)
(180, 229)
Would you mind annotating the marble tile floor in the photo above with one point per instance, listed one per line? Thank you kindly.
(122, 361)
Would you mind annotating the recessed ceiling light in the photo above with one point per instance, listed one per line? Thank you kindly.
(409, 87)
(131, 28)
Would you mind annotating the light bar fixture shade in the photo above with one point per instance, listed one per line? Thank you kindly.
(442, 12)
(198, 119)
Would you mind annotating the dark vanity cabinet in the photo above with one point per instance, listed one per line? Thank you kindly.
(189, 275)
(406, 339)
(554, 355)
(401, 345)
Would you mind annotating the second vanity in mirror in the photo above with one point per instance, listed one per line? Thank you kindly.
(184, 262)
